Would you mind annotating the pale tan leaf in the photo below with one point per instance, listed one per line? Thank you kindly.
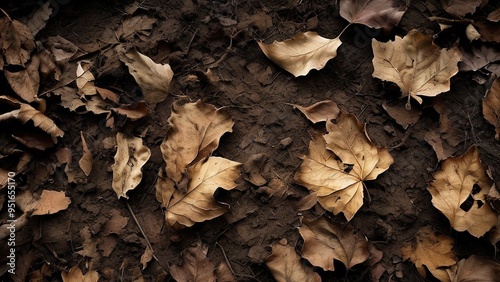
(471, 33)
(194, 133)
(85, 79)
(415, 64)
(320, 111)
(51, 202)
(198, 203)
(374, 13)
(326, 241)
(286, 266)
(477, 268)
(69, 99)
(461, 7)
(16, 41)
(195, 267)
(39, 18)
(133, 111)
(130, 156)
(302, 53)
(107, 94)
(86, 161)
(338, 163)
(76, 275)
(491, 106)
(459, 191)
(97, 105)
(494, 16)
(431, 250)
(146, 257)
(154, 79)
(25, 82)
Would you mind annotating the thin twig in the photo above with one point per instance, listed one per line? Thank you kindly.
(142, 231)
(5, 13)
(149, 190)
(191, 41)
(225, 257)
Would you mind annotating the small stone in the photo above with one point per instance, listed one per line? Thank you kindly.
(285, 142)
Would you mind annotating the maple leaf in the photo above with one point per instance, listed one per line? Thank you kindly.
(374, 13)
(130, 157)
(197, 204)
(476, 268)
(195, 266)
(432, 250)
(459, 190)
(320, 111)
(338, 163)
(415, 64)
(302, 53)
(326, 241)
(491, 106)
(285, 265)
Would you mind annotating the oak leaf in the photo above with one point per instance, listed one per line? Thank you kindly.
(338, 163)
(86, 160)
(374, 13)
(194, 133)
(491, 106)
(195, 266)
(286, 266)
(197, 204)
(16, 42)
(130, 156)
(459, 191)
(461, 7)
(320, 111)
(326, 241)
(154, 79)
(51, 202)
(431, 250)
(415, 64)
(75, 274)
(476, 268)
(302, 53)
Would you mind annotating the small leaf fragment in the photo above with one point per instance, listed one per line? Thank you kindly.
(86, 161)
(51, 202)
(195, 266)
(75, 274)
(320, 111)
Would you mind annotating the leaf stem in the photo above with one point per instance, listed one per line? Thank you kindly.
(342, 32)
(5, 13)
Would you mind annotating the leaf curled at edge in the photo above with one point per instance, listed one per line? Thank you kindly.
(491, 106)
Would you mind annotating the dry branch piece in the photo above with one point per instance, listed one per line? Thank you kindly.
(302, 53)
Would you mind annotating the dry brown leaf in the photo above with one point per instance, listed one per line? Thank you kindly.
(16, 41)
(115, 224)
(107, 94)
(224, 274)
(61, 48)
(461, 7)
(133, 111)
(146, 257)
(75, 274)
(432, 250)
(198, 203)
(338, 163)
(97, 105)
(25, 113)
(441, 147)
(140, 24)
(320, 111)
(253, 168)
(51, 202)
(374, 13)
(86, 161)
(154, 79)
(459, 191)
(494, 16)
(326, 241)
(89, 247)
(85, 79)
(285, 265)
(476, 268)
(195, 266)
(130, 156)
(415, 64)
(401, 114)
(478, 57)
(302, 53)
(69, 99)
(491, 106)
(39, 18)
(25, 82)
(194, 133)
(488, 30)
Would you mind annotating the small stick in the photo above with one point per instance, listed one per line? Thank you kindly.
(225, 257)
(5, 13)
(142, 231)
(191, 41)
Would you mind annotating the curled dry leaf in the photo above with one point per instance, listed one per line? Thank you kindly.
(154, 79)
(75, 274)
(130, 156)
(320, 111)
(133, 111)
(195, 266)
(198, 203)
(374, 13)
(85, 79)
(461, 7)
(494, 16)
(338, 163)
(302, 53)
(476, 268)
(107, 94)
(431, 249)
(194, 133)
(491, 106)
(51, 202)
(25, 82)
(415, 64)
(86, 161)
(39, 18)
(16, 42)
(459, 191)
(326, 241)
(286, 266)
(146, 257)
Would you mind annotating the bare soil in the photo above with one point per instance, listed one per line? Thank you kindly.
(191, 36)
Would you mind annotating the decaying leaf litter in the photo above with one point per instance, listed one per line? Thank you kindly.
(172, 103)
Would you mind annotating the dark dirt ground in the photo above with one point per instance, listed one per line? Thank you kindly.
(257, 93)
